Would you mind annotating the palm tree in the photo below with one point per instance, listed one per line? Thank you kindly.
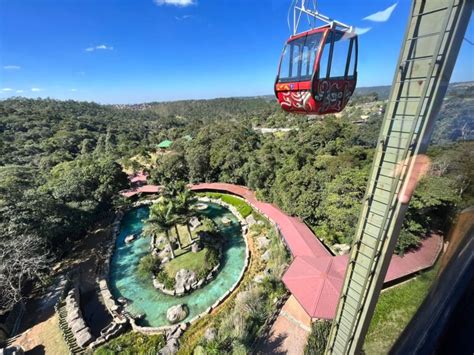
(162, 219)
(173, 189)
(184, 206)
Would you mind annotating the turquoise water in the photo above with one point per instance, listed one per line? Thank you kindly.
(145, 299)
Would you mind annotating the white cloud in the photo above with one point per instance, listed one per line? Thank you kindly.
(7, 89)
(11, 67)
(36, 89)
(180, 3)
(359, 31)
(73, 90)
(182, 18)
(19, 91)
(99, 47)
(362, 30)
(382, 16)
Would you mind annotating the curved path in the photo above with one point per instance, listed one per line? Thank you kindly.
(315, 276)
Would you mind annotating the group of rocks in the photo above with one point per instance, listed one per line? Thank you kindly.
(172, 340)
(75, 321)
(263, 244)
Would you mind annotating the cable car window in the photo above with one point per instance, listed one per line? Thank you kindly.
(295, 61)
(310, 49)
(299, 58)
(306, 64)
(339, 55)
(285, 63)
(324, 60)
(352, 64)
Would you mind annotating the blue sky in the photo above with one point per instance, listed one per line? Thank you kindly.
(157, 50)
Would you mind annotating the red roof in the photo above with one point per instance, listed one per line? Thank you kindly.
(138, 178)
(150, 189)
(316, 283)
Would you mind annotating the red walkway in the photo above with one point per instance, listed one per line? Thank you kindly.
(315, 276)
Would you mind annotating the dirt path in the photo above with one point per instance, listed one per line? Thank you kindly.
(43, 338)
(290, 331)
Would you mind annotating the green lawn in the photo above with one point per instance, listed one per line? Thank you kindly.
(242, 207)
(394, 310)
(183, 235)
(189, 261)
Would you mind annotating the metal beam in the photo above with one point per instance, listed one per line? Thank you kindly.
(432, 41)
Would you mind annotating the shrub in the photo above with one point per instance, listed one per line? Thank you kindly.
(212, 258)
(318, 338)
(165, 279)
(242, 207)
(133, 343)
(148, 265)
(202, 273)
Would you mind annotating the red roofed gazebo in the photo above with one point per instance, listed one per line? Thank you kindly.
(316, 283)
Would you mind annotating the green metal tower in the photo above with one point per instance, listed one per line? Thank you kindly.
(434, 34)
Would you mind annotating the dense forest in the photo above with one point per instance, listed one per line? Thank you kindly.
(62, 164)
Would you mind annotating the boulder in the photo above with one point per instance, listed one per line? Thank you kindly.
(195, 247)
(250, 220)
(226, 220)
(210, 334)
(263, 242)
(77, 325)
(267, 255)
(72, 315)
(342, 249)
(170, 348)
(84, 337)
(194, 222)
(185, 278)
(177, 313)
(129, 238)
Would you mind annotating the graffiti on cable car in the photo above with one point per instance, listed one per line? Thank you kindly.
(333, 95)
(297, 100)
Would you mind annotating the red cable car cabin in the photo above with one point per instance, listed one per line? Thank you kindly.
(318, 71)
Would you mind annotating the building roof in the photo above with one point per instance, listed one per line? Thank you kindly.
(165, 144)
(147, 189)
(139, 177)
(316, 283)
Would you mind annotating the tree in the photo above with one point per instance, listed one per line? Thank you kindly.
(21, 259)
(86, 188)
(162, 219)
(169, 168)
(185, 201)
(340, 207)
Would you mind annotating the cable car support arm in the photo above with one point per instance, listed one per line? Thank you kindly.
(301, 9)
(432, 42)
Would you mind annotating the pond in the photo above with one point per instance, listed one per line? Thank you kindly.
(145, 299)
